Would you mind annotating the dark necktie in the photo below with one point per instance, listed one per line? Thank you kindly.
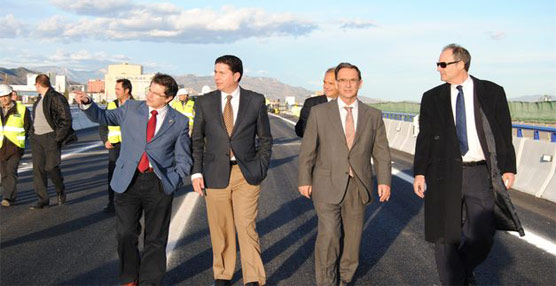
(151, 127)
(229, 118)
(461, 126)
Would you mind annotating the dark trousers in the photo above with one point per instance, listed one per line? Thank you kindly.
(8, 171)
(455, 261)
(339, 231)
(47, 156)
(145, 194)
(113, 155)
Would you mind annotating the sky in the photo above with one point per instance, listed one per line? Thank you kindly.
(394, 43)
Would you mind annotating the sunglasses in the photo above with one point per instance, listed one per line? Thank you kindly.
(445, 64)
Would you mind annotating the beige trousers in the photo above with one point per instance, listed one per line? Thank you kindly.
(229, 210)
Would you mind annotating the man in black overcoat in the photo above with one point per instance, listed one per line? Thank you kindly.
(464, 154)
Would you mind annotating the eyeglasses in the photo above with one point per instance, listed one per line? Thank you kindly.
(345, 81)
(445, 64)
(157, 94)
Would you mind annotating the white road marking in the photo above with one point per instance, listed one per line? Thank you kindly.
(287, 120)
(29, 166)
(530, 236)
(179, 223)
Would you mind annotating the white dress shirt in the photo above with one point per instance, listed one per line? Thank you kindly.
(235, 101)
(343, 113)
(475, 152)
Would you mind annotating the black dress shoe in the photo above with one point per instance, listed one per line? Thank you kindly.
(62, 198)
(222, 282)
(252, 284)
(109, 208)
(39, 205)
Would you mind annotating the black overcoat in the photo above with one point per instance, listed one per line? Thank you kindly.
(438, 158)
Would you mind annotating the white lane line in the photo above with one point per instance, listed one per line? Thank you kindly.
(287, 120)
(29, 166)
(179, 223)
(530, 236)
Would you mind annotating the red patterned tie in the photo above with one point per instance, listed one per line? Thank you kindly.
(151, 127)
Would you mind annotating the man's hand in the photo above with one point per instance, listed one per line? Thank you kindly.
(108, 145)
(419, 186)
(198, 185)
(306, 191)
(508, 179)
(81, 97)
(384, 193)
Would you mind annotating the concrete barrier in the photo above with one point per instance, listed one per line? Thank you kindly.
(536, 160)
(404, 131)
(536, 168)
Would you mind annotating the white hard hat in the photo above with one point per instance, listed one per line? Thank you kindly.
(5, 89)
(183, 91)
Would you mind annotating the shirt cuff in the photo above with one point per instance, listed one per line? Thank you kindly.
(196, 176)
(86, 106)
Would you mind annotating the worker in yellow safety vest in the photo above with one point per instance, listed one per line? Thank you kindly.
(16, 123)
(185, 106)
(112, 137)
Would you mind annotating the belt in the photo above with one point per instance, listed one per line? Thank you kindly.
(233, 163)
(474, 163)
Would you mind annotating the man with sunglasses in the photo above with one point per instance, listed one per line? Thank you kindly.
(465, 155)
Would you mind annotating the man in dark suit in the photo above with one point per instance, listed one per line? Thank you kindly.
(463, 146)
(335, 171)
(230, 163)
(330, 93)
(52, 129)
(154, 161)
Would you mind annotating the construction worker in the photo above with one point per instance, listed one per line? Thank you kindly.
(111, 135)
(16, 123)
(185, 106)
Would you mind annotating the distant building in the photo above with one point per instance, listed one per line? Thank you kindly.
(60, 83)
(95, 86)
(140, 82)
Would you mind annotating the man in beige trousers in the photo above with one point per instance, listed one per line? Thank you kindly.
(335, 171)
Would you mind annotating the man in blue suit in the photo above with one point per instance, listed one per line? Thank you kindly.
(154, 161)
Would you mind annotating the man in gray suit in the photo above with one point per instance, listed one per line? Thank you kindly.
(231, 154)
(335, 171)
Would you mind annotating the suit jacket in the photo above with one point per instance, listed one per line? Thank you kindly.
(324, 159)
(305, 110)
(438, 158)
(169, 151)
(58, 115)
(211, 143)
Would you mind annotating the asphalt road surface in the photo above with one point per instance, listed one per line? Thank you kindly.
(75, 244)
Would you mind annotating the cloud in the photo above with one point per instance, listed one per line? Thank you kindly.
(358, 24)
(82, 59)
(93, 7)
(165, 22)
(497, 35)
(11, 27)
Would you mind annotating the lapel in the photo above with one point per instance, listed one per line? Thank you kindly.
(478, 101)
(336, 121)
(143, 111)
(169, 120)
(361, 116)
(244, 99)
(217, 103)
(444, 107)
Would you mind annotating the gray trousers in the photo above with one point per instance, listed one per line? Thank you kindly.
(339, 232)
(8, 171)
